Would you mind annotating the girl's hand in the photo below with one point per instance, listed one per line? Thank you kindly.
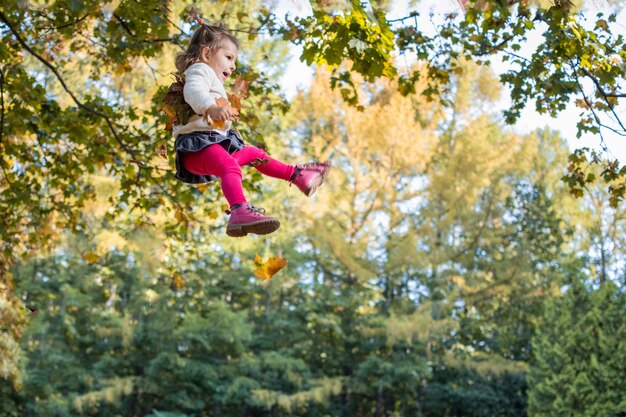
(218, 113)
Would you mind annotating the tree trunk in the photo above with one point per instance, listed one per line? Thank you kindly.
(345, 403)
(380, 402)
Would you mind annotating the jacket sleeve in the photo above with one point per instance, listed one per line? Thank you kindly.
(197, 90)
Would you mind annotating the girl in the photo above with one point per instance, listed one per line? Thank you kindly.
(205, 150)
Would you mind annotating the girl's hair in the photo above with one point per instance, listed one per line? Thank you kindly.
(211, 36)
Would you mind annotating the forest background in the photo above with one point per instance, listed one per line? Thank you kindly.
(449, 267)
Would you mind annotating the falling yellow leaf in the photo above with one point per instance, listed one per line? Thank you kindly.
(178, 280)
(91, 257)
(267, 269)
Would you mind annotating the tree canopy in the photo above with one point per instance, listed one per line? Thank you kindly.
(67, 111)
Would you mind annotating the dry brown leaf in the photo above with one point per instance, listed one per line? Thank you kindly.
(239, 92)
(161, 150)
(174, 104)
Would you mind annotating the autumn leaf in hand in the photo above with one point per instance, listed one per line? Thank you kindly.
(266, 270)
(222, 102)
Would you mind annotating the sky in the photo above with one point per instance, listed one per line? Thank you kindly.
(298, 75)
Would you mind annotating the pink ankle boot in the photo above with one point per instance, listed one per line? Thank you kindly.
(249, 219)
(308, 177)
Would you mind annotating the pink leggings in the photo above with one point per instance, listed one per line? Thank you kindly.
(215, 160)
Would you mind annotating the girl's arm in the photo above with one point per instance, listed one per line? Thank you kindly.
(197, 90)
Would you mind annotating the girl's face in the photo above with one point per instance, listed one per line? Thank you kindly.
(222, 61)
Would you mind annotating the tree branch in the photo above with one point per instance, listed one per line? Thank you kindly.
(606, 96)
(516, 56)
(504, 41)
(496, 47)
(412, 15)
(65, 87)
(1, 105)
(2, 125)
(80, 19)
(127, 29)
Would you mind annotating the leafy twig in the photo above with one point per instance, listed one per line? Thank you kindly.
(605, 96)
(53, 28)
(593, 112)
(517, 56)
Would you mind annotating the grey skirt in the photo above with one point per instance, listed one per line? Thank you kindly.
(196, 141)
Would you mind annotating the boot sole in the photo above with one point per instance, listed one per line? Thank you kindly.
(318, 181)
(263, 227)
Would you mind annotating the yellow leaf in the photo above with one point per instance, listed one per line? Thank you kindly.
(178, 280)
(266, 269)
(222, 102)
(91, 257)
(219, 124)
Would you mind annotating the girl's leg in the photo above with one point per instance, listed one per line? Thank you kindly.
(244, 218)
(215, 160)
(307, 177)
(271, 168)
